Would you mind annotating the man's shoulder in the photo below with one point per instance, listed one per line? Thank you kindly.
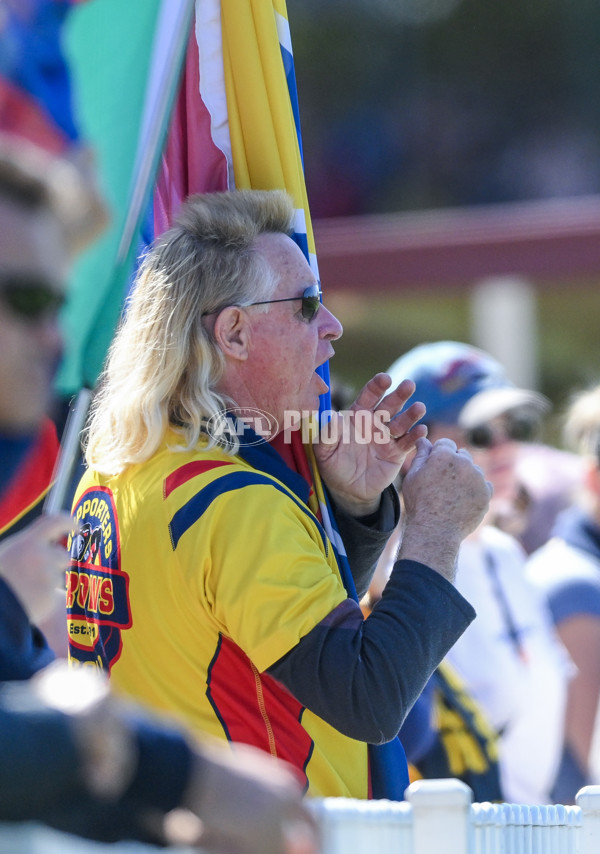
(191, 472)
(171, 467)
(182, 487)
(568, 577)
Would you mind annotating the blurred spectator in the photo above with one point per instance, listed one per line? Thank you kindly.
(510, 657)
(36, 191)
(36, 106)
(548, 479)
(567, 570)
(446, 733)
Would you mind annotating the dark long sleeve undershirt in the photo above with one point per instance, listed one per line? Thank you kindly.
(363, 676)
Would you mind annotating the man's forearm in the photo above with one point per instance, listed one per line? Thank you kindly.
(371, 671)
(434, 545)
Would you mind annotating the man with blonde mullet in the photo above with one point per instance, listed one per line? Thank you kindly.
(72, 755)
(210, 577)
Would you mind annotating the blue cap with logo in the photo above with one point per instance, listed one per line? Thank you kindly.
(460, 384)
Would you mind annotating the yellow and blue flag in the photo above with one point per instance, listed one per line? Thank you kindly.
(236, 123)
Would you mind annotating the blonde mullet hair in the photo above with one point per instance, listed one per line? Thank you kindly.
(164, 365)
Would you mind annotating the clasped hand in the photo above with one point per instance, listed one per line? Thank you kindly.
(362, 451)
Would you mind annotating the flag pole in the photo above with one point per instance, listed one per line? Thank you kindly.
(68, 455)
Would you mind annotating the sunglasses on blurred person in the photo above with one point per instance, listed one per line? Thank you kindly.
(30, 300)
(509, 427)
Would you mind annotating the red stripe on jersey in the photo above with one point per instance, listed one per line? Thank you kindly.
(256, 709)
(188, 471)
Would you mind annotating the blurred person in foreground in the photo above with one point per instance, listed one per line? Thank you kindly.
(39, 216)
(567, 571)
(509, 658)
(210, 558)
(36, 106)
(71, 755)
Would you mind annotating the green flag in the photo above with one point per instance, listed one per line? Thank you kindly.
(125, 59)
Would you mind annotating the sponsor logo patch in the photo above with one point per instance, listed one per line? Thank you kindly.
(97, 590)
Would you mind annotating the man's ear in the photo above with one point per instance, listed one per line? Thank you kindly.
(232, 332)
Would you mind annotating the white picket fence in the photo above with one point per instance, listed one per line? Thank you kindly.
(437, 817)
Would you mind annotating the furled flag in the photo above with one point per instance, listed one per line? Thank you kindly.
(125, 60)
(236, 122)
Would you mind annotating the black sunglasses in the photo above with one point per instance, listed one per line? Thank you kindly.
(515, 427)
(311, 302)
(30, 299)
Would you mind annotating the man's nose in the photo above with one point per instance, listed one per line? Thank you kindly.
(329, 325)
